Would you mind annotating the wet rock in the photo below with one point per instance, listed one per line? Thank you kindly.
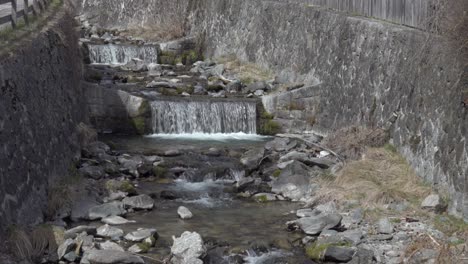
(184, 212)
(234, 87)
(243, 183)
(142, 202)
(72, 233)
(431, 202)
(314, 225)
(141, 234)
(329, 207)
(267, 197)
(93, 172)
(136, 65)
(188, 248)
(138, 248)
(339, 254)
(294, 155)
(278, 144)
(70, 256)
(115, 196)
(67, 246)
(116, 220)
(213, 152)
(251, 159)
(109, 245)
(110, 257)
(259, 93)
(155, 84)
(220, 94)
(305, 212)
(109, 231)
(105, 210)
(294, 182)
(168, 195)
(172, 153)
(384, 226)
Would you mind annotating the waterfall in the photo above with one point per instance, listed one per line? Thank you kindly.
(203, 116)
(121, 54)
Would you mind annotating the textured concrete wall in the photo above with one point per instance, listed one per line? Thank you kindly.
(40, 104)
(366, 69)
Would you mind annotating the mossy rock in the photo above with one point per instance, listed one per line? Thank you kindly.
(139, 123)
(160, 171)
(123, 186)
(316, 251)
(270, 128)
(276, 173)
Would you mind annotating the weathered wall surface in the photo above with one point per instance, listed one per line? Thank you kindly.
(362, 70)
(367, 70)
(40, 105)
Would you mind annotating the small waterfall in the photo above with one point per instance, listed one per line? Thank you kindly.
(121, 54)
(203, 116)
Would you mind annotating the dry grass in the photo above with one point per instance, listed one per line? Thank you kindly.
(381, 177)
(31, 246)
(351, 142)
(246, 72)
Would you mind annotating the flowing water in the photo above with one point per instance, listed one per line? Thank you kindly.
(203, 116)
(121, 54)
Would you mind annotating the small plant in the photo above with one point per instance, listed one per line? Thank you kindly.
(391, 148)
(270, 128)
(276, 173)
(159, 171)
(261, 198)
(317, 250)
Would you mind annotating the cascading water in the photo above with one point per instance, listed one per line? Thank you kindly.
(203, 116)
(121, 54)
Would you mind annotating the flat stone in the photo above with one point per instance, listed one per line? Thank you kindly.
(184, 212)
(110, 257)
(384, 226)
(109, 231)
(305, 212)
(94, 172)
(314, 225)
(116, 220)
(431, 202)
(109, 245)
(141, 234)
(339, 254)
(139, 202)
(105, 210)
(72, 233)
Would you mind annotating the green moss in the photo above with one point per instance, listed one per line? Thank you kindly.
(316, 250)
(187, 89)
(276, 173)
(159, 171)
(390, 147)
(139, 123)
(144, 246)
(270, 128)
(261, 198)
(169, 92)
(124, 186)
(265, 115)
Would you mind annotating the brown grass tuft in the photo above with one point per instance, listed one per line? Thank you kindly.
(351, 142)
(247, 72)
(31, 246)
(381, 177)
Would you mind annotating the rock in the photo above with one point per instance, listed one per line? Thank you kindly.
(431, 202)
(110, 257)
(314, 225)
(349, 236)
(115, 196)
(185, 94)
(267, 197)
(220, 94)
(138, 248)
(155, 84)
(234, 87)
(251, 159)
(294, 155)
(143, 202)
(283, 165)
(109, 231)
(362, 256)
(93, 172)
(305, 213)
(184, 212)
(385, 226)
(260, 85)
(188, 248)
(213, 152)
(339, 254)
(116, 220)
(329, 207)
(168, 195)
(294, 182)
(199, 89)
(141, 234)
(278, 144)
(259, 93)
(323, 163)
(243, 183)
(72, 233)
(136, 65)
(109, 245)
(70, 256)
(86, 241)
(105, 210)
(172, 153)
(67, 246)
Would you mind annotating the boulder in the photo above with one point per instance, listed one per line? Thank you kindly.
(184, 212)
(294, 155)
(188, 248)
(72, 233)
(307, 212)
(109, 245)
(136, 65)
(431, 202)
(143, 202)
(116, 220)
(67, 246)
(105, 210)
(93, 172)
(294, 182)
(109, 231)
(260, 85)
(251, 159)
(110, 257)
(234, 87)
(278, 144)
(329, 207)
(339, 254)
(384, 226)
(141, 234)
(314, 225)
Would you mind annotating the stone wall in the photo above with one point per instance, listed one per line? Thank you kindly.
(367, 70)
(40, 106)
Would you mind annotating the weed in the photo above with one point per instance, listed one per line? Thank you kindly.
(317, 250)
(261, 198)
(276, 173)
(160, 171)
(270, 128)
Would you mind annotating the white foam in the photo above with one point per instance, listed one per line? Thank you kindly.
(253, 258)
(211, 137)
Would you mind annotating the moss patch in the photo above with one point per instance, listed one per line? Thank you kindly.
(139, 123)
(316, 251)
(159, 171)
(270, 128)
(276, 173)
(261, 198)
